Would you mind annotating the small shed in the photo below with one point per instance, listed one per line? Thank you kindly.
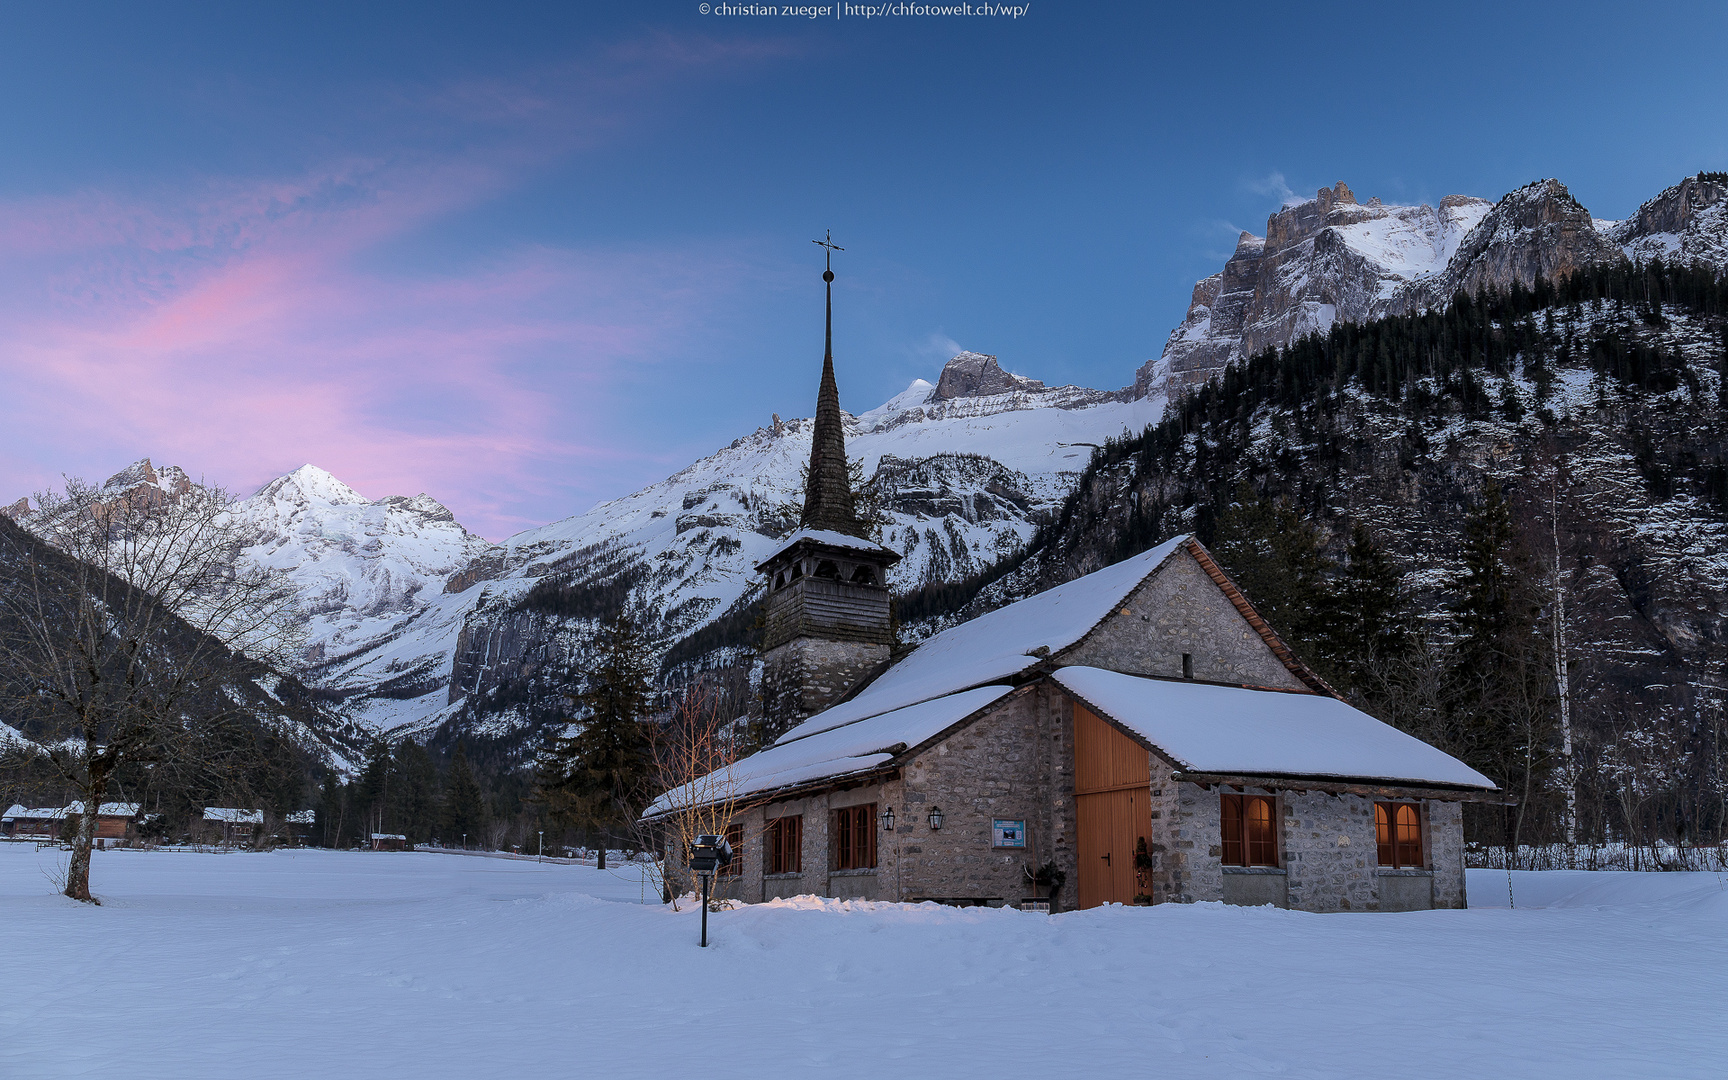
(297, 827)
(114, 822)
(32, 822)
(384, 841)
(233, 825)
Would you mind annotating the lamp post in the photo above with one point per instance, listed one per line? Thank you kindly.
(708, 854)
(464, 841)
(540, 856)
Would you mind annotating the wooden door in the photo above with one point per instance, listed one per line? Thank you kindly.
(1112, 796)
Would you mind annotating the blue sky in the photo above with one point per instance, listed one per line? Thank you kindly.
(526, 257)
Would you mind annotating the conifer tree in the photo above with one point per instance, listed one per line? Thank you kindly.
(1504, 722)
(464, 810)
(375, 786)
(1275, 558)
(603, 769)
(416, 801)
(1372, 624)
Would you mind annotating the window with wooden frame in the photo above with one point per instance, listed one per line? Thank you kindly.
(1249, 827)
(1398, 834)
(735, 839)
(854, 845)
(786, 845)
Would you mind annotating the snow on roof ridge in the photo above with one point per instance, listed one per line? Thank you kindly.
(998, 644)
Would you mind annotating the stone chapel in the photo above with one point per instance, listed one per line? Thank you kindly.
(1140, 734)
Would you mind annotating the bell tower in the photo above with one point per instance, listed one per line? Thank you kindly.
(827, 620)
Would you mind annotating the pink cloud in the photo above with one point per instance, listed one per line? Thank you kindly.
(241, 327)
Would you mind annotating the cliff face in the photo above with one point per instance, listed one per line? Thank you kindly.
(1322, 261)
(1331, 259)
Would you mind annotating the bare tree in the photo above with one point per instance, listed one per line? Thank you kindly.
(693, 756)
(126, 625)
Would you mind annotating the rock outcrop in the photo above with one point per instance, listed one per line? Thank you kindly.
(1327, 259)
(973, 374)
(1687, 222)
(1331, 259)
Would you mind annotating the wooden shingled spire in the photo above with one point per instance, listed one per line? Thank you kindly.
(828, 502)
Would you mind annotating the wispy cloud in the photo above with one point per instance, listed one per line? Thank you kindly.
(1273, 184)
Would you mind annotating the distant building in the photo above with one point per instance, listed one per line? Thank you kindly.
(1140, 731)
(389, 842)
(297, 827)
(232, 826)
(115, 822)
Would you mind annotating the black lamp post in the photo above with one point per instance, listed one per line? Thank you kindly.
(708, 854)
(935, 818)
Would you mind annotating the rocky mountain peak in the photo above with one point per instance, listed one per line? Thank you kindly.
(1332, 258)
(309, 483)
(1687, 222)
(973, 374)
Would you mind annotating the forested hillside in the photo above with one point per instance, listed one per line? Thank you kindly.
(1467, 519)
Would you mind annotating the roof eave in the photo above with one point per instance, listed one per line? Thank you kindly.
(1351, 785)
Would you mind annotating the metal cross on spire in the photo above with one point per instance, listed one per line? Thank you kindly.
(830, 248)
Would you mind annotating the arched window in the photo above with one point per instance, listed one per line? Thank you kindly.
(1398, 834)
(780, 579)
(827, 569)
(1249, 830)
(864, 575)
(797, 571)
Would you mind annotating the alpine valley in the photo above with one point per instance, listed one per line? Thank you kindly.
(1301, 368)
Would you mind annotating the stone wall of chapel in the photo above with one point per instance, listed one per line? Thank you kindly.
(1181, 610)
(1443, 830)
(816, 877)
(1015, 762)
(1327, 850)
(806, 675)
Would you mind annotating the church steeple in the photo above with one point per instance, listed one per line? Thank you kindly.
(828, 502)
(827, 620)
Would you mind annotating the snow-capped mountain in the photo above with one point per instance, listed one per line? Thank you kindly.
(368, 570)
(961, 472)
(1331, 259)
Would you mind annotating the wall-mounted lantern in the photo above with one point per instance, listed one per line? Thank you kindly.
(935, 818)
(888, 820)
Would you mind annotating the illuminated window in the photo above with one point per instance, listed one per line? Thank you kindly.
(854, 843)
(1248, 824)
(1398, 834)
(786, 845)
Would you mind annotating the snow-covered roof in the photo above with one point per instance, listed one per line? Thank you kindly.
(34, 813)
(829, 538)
(388, 836)
(995, 646)
(232, 816)
(108, 809)
(55, 813)
(302, 817)
(855, 747)
(1240, 732)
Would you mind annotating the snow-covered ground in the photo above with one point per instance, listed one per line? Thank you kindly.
(328, 965)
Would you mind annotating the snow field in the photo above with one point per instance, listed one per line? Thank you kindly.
(335, 964)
